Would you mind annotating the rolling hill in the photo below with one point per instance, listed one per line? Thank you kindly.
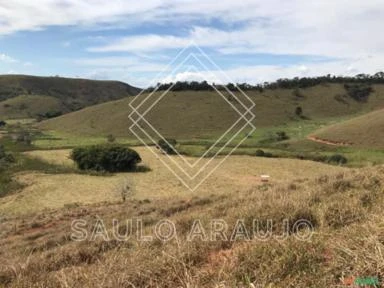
(29, 96)
(363, 131)
(186, 114)
(31, 106)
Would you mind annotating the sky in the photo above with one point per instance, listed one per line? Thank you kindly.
(138, 41)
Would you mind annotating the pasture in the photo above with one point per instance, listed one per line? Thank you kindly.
(237, 173)
(344, 205)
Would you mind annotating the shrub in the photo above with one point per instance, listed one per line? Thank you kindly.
(5, 158)
(268, 155)
(334, 159)
(272, 137)
(358, 92)
(24, 137)
(50, 114)
(337, 159)
(281, 135)
(109, 158)
(261, 153)
(317, 157)
(299, 111)
(111, 138)
(168, 146)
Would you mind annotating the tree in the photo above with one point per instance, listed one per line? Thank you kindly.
(337, 159)
(231, 87)
(296, 83)
(281, 135)
(109, 158)
(358, 92)
(299, 111)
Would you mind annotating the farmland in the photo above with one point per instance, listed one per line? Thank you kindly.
(43, 192)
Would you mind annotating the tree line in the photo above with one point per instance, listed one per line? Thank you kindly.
(284, 83)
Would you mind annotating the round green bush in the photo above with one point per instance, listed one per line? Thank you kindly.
(109, 158)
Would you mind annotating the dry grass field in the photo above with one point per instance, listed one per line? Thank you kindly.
(57, 157)
(344, 206)
(366, 131)
(27, 106)
(237, 173)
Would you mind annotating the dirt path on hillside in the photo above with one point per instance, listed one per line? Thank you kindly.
(328, 142)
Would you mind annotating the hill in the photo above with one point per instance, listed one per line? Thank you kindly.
(363, 131)
(186, 114)
(22, 95)
(31, 106)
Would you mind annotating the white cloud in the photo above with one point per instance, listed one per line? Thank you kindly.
(330, 28)
(349, 31)
(21, 15)
(7, 59)
(267, 73)
(344, 31)
(190, 76)
(98, 75)
(120, 63)
(280, 37)
(143, 43)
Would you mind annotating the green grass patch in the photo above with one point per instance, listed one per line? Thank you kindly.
(57, 140)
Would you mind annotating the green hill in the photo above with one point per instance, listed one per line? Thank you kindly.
(363, 131)
(31, 106)
(187, 114)
(55, 94)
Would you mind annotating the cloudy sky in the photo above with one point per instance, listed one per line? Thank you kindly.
(250, 40)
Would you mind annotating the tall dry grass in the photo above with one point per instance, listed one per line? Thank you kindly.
(345, 208)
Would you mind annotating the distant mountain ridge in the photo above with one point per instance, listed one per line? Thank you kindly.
(69, 94)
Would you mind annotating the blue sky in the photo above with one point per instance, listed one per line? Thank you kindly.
(251, 40)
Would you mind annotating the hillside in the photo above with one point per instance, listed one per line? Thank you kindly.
(364, 131)
(24, 96)
(31, 106)
(186, 114)
(320, 226)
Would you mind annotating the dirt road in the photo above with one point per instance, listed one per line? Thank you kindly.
(328, 142)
